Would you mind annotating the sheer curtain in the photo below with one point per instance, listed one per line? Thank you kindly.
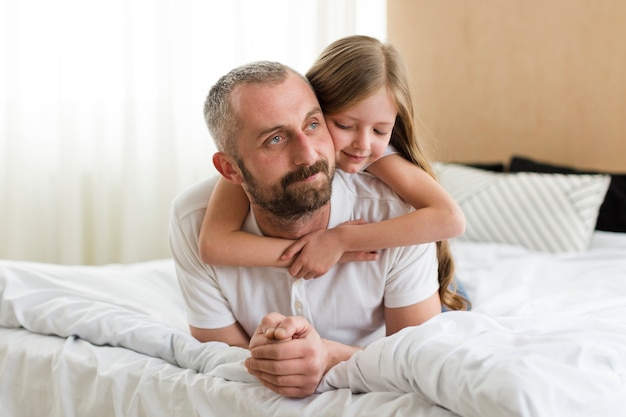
(101, 110)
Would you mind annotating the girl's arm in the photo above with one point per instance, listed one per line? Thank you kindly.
(436, 217)
(221, 241)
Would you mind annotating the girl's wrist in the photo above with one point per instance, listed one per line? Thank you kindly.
(346, 236)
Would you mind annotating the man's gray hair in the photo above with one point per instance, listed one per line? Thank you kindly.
(222, 120)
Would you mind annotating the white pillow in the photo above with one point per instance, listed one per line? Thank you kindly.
(544, 212)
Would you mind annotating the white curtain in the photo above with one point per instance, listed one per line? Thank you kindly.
(101, 110)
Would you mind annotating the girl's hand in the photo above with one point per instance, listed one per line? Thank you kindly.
(319, 251)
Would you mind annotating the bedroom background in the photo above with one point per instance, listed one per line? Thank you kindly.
(544, 79)
(101, 125)
(101, 110)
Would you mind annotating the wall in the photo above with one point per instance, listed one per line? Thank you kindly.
(541, 78)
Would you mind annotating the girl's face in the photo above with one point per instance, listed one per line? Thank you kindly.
(362, 132)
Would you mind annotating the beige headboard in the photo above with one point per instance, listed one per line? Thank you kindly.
(543, 79)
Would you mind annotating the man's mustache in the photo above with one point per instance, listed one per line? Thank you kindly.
(304, 173)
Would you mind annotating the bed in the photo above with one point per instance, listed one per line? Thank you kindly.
(546, 335)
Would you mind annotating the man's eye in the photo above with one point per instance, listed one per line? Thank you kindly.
(274, 139)
(313, 125)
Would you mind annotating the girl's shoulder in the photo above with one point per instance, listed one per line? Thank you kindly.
(390, 150)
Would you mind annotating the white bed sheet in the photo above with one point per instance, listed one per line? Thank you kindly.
(510, 280)
(53, 376)
(139, 307)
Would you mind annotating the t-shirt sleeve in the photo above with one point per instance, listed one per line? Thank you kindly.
(412, 275)
(205, 304)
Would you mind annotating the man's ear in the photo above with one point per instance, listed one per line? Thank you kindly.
(226, 166)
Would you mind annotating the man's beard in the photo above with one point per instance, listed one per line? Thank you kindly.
(291, 199)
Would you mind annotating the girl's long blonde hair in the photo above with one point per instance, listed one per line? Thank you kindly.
(350, 70)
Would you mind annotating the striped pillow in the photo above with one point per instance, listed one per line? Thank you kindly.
(544, 212)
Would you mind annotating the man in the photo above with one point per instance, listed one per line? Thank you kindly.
(273, 141)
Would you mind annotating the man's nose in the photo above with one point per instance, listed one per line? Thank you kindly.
(304, 152)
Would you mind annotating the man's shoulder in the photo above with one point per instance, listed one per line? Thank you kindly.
(364, 185)
(194, 197)
(363, 196)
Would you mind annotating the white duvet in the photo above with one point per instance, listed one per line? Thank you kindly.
(541, 341)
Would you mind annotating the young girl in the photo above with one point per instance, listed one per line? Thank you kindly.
(364, 93)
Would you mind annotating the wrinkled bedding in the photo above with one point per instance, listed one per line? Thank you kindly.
(547, 337)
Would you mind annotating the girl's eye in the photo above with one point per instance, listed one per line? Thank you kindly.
(341, 126)
(380, 132)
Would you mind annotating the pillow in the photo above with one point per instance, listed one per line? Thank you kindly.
(612, 215)
(494, 166)
(544, 212)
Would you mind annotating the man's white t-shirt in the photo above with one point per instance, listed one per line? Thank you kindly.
(344, 305)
